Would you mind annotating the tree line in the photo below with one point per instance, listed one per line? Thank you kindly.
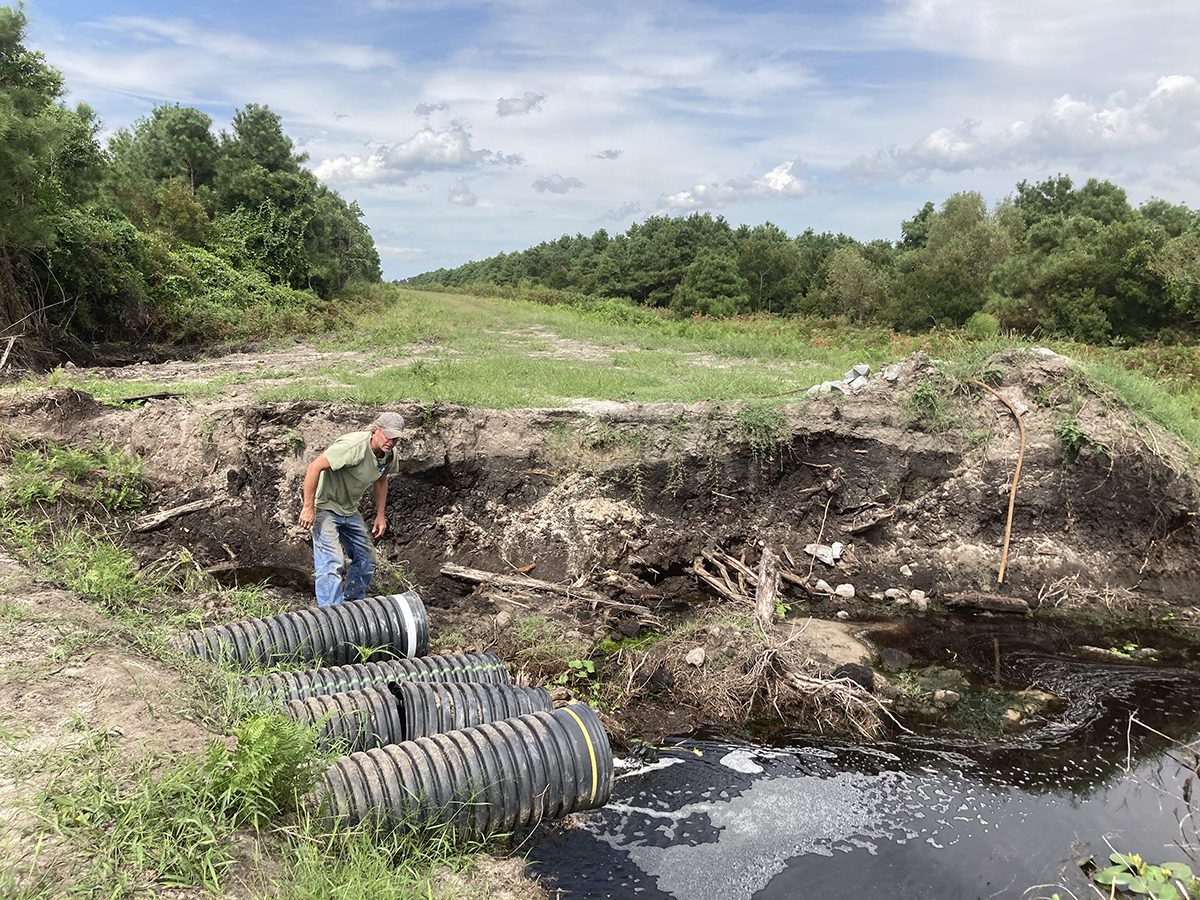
(1052, 258)
(171, 231)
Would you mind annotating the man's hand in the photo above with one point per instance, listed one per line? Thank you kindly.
(379, 527)
(306, 517)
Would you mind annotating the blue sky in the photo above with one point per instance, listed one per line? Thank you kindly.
(467, 129)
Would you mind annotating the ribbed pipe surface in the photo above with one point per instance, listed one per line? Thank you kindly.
(495, 777)
(486, 668)
(360, 720)
(394, 625)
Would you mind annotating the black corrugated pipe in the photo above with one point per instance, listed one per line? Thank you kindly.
(486, 668)
(495, 777)
(395, 625)
(360, 720)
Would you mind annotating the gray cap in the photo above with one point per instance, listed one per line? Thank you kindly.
(390, 423)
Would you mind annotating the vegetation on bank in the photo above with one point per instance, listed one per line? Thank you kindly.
(171, 232)
(1053, 259)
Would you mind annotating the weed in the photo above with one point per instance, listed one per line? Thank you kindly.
(294, 441)
(928, 408)
(1072, 437)
(176, 828)
(763, 428)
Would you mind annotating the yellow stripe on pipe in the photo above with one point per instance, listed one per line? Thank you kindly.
(591, 750)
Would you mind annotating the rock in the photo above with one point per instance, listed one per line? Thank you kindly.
(503, 619)
(1012, 718)
(859, 383)
(826, 553)
(906, 571)
(915, 596)
(946, 698)
(902, 602)
(695, 657)
(876, 595)
(856, 672)
(859, 371)
(845, 591)
(894, 660)
(68, 365)
(891, 373)
(628, 628)
(885, 689)
(842, 614)
(1043, 353)
(921, 605)
(941, 678)
(823, 586)
(895, 593)
(1143, 653)
(560, 694)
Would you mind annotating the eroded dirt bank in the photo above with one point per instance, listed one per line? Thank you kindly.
(625, 497)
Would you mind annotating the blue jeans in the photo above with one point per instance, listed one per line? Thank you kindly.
(337, 538)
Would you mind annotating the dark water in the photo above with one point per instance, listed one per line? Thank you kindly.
(918, 817)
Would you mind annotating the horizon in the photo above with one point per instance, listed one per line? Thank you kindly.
(464, 130)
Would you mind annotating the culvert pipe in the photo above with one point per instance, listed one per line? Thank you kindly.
(495, 777)
(394, 625)
(360, 720)
(279, 687)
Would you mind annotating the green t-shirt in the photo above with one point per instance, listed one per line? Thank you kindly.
(353, 468)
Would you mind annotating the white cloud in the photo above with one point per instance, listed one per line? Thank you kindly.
(401, 252)
(1068, 128)
(520, 106)
(779, 182)
(621, 213)
(556, 184)
(429, 150)
(607, 154)
(425, 109)
(460, 193)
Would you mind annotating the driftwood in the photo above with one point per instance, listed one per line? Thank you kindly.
(861, 525)
(525, 583)
(768, 587)
(734, 580)
(161, 518)
(992, 602)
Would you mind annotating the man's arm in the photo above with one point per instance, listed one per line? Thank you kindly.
(312, 475)
(380, 525)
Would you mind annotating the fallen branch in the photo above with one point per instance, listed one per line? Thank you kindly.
(479, 576)
(159, 519)
(7, 350)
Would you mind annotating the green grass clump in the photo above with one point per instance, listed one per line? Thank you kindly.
(144, 828)
(99, 474)
(928, 408)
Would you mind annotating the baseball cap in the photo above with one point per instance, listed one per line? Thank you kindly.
(390, 423)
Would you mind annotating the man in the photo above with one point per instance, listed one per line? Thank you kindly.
(333, 484)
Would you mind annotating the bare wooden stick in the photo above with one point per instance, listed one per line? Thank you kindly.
(7, 350)
(161, 518)
(1012, 491)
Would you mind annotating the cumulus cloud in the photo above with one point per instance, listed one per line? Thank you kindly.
(621, 213)
(425, 109)
(460, 193)
(607, 154)
(779, 182)
(1166, 117)
(520, 106)
(556, 184)
(429, 150)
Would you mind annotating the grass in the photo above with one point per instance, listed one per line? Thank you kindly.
(184, 822)
(500, 352)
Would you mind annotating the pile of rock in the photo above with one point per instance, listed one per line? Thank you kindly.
(855, 380)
